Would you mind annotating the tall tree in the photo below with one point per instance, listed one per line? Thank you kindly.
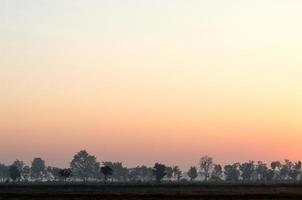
(159, 171)
(4, 174)
(295, 171)
(20, 165)
(26, 172)
(232, 172)
(14, 173)
(177, 173)
(286, 169)
(37, 168)
(107, 172)
(192, 173)
(261, 170)
(269, 175)
(65, 173)
(84, 166)
(247, 170)
(205, 165)
(141, 173)
(134, 175)
(120, 173)
(54, 173)
(217, 173)
(276, 166)
(169, 172)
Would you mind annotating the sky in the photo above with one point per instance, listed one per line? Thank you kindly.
(145, 81)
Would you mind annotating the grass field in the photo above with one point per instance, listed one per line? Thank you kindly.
(156, 192)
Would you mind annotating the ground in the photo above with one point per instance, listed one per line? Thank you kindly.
(148, 192)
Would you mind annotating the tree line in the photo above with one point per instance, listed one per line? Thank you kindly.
(85, 167)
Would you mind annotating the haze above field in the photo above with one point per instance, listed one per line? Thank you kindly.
(145, 81)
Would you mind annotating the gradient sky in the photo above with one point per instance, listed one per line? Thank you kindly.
(144, 81)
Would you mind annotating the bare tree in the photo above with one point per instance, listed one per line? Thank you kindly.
(177, 173)
(205, 166)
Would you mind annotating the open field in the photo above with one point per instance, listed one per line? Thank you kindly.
(156, 192)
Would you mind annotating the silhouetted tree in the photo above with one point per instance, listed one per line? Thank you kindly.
(14, 173)
(276, 166)
(26, 172)
(84, 166)
(261, 170)
(192, 173)
(247, 170)
(159, 171)
(232, 172)
(169, 172)
(177, 173)
(217, 173)
(37, 168)
(205, 165)
(141, 173)
(269, 175)
(20, 165)
(4, 174)
(120, 173)
(53, 173)
(107, 172)
(48, 174)
(285, 169)
(295, 171)
(134, 175)
(65, 173)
